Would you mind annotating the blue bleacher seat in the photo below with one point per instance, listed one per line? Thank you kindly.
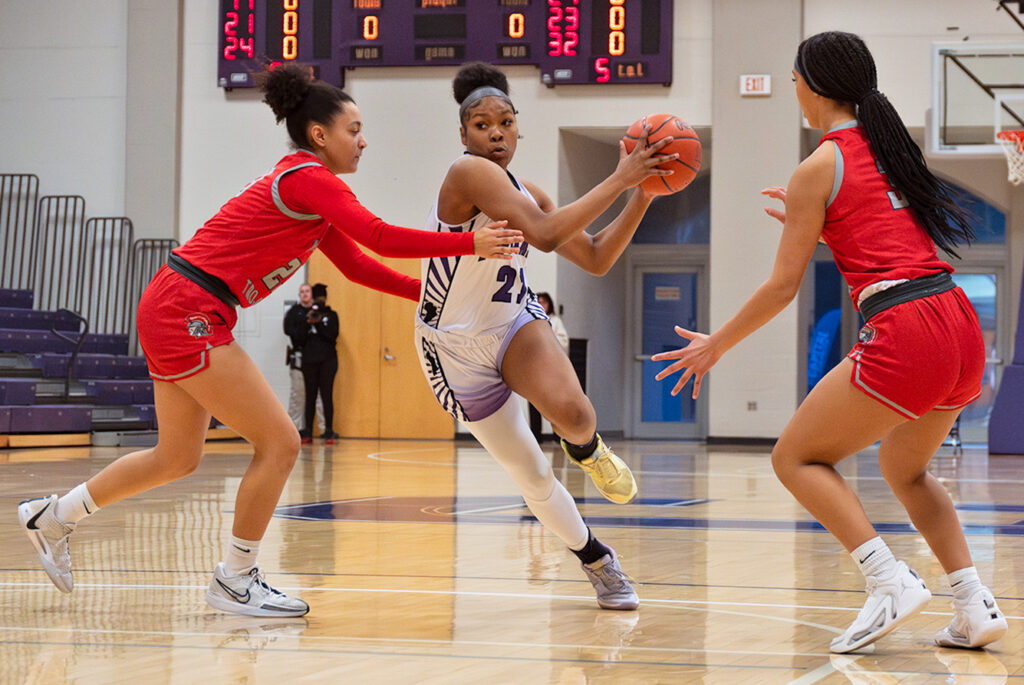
(21, 299)
(50, 418)
(17, 391)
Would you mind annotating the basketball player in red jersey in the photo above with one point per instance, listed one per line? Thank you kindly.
(867, 193)
(250, 247)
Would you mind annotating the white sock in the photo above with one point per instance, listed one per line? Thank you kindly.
(507, 437)
(874, 558)
(965, 582)
(76, 505)
(241, 556)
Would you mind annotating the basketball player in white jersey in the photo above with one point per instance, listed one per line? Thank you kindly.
(482, 335)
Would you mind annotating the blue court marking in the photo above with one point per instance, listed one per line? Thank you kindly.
(504, 510)
(1015, 508)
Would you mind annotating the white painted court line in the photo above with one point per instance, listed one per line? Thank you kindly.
(387, 641)
(504, 595)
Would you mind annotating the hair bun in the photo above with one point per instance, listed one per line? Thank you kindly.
(285, 88)
(473, 75)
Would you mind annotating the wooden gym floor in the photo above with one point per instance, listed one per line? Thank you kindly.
(422, 565)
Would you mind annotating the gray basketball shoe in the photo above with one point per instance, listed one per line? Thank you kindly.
(613, 587)
(49, 535)
(249, 594)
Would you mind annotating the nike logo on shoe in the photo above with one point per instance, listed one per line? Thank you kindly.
(31, 523)
(235, 595)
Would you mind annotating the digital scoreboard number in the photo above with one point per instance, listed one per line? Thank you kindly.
(572, 41)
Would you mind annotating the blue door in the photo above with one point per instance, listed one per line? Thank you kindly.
(667, 298)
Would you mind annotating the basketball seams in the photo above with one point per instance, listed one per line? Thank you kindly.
(685, 143)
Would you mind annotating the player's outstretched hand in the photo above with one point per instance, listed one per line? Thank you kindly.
(778, 193)
(696, 358)
(494, 241)
(643, 161)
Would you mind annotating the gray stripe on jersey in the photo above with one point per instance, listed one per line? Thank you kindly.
(276, 194)
(837, 181)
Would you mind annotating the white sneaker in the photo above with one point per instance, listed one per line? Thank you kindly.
(891, 601)
(250, 595)
(49, 535)
(611, 584)
(976, 622)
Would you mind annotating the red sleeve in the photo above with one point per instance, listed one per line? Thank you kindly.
(315, 190)
(359, 268)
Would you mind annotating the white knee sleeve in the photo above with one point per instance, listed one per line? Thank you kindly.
(507, 437)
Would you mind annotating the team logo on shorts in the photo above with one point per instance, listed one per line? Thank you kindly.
(198, 325)
(867, 333)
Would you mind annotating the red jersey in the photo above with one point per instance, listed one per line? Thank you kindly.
(260, 237)
(873, 233)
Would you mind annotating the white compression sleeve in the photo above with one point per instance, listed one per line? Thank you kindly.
(507, 437)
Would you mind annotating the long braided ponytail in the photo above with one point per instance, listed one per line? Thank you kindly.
(839, 66)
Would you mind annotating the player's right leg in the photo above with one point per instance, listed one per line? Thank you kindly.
(49, 521)
(904, 455)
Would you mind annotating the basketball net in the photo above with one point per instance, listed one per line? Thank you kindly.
(1013, 146)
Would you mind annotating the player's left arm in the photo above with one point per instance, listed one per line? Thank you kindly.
(596, 254)
(359, 268)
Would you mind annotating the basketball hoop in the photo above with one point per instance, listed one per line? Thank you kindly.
(1013, 146)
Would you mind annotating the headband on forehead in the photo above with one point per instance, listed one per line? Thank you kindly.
(479, 94)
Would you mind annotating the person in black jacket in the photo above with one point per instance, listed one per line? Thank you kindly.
(295, 319)
(316, 341)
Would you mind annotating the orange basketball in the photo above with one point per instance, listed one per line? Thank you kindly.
(685, 142)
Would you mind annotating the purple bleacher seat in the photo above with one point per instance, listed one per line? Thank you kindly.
(51, 418)
(16, 298)
(18, 391)
(18, 318)
(146, 412)
(109, 391)
(142, 392)
(5, 419)
(27, 340)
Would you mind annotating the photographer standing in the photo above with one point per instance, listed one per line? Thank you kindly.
(316, 340)
(294, 320)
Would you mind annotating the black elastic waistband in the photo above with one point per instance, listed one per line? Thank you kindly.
(207, 282)
(905, 292)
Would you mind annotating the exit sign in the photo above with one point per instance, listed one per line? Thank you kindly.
(753, 85)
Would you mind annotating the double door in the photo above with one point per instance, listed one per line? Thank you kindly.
(380, 391)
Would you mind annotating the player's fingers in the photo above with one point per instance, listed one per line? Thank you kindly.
(696, 385)
(684, 333)
(660, 143)
(682, 382)
(775, 214)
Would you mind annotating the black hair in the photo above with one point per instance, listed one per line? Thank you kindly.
(839, 66)
(473, 75)
(298, 99)
(550, 299)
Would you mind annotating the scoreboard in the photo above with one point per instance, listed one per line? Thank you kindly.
(571, 41)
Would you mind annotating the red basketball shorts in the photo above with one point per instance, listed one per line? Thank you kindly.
(179, 323)
(921, 355)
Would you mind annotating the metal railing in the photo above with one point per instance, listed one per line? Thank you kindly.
(19, 195)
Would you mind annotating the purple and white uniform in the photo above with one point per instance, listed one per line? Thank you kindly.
(469, 310)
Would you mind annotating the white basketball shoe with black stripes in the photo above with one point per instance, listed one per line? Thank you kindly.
(249, 594)
(977, 621)
(891, 601)
(49, 535)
